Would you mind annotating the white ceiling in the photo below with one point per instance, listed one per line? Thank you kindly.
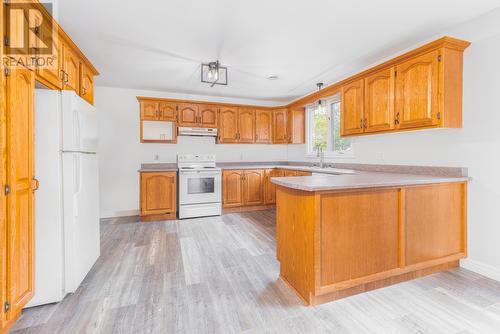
(159, 44)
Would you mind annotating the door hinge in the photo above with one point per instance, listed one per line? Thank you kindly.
(439, 115)
(6, 189)
(6, 307)
(395, 73)
(6, 41)
(6, 71)
(440, 58)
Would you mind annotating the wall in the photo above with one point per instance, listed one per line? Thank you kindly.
(121, 153)
(476, 145)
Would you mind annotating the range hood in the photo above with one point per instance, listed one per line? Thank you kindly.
(200, 132)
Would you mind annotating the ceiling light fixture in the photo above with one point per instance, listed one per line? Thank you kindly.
(214, 74)
(273, 77)
(320, 104)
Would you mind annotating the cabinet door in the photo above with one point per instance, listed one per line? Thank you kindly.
(71, 69)
(228, 125)
(149, 110)
(379, 101)
(351, 111)
(167, 111)
(280, 135)
(86, 83)
(253, 191)
(246, 125)
(269, 187)
(20, 201)
(296, 123)
(232, 190)
(158, 193)
(50, 75)
(417, 92)
(263, 126)
(208, 116)
(188, 115)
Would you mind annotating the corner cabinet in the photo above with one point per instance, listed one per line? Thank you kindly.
(158, 199)
(418, 90)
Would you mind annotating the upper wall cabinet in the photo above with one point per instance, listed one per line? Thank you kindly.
(246, 125)
(86, 83)
(207, 115)
(188, 115)
(70, 69)
(158, 121)
(420, 89)
(263, 127)
(198, 115)
(417, 92)
(352, 111)
(280, 133)
(379, 101)
(296, 126)
(228, 125)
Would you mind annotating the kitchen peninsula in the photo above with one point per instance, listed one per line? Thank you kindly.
(339, 235)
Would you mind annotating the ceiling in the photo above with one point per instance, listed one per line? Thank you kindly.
(159, 44)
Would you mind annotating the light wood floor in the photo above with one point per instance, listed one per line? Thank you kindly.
(219, 275)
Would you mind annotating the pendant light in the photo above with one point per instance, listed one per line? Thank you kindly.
(321, 107)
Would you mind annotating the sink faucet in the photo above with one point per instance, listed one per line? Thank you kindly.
(321, 155)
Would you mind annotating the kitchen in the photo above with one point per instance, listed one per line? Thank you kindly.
(235, 192)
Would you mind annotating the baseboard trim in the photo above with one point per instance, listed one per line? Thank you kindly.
(481, 268)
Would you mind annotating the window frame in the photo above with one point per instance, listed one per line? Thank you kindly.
(311, 153)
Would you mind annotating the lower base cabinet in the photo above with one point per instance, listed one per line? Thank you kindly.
(158, 195)
(252, 187)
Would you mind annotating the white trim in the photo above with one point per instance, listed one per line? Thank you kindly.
(481, 268)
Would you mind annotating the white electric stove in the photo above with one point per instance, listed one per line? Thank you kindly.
(200, 186)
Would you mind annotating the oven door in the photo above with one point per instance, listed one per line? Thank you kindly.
(199, 186)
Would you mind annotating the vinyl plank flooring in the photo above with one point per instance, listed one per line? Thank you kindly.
(220, 275)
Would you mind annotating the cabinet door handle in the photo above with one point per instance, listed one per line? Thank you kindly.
(84, 91)
(361, 123)
(36, 184)
(396, 119)
(365, 123)
(256, 136)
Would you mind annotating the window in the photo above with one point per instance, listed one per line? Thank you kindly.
(323, 129)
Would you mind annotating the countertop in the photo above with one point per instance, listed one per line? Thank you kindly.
(359, 180)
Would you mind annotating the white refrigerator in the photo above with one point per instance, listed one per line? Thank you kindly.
(67, 239)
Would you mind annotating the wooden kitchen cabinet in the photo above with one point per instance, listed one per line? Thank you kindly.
(50, 75)
(158, 195)
(296, 126)
(86, 83)
(352, 109)
(379, 101)
(246, 125)
(207, 115)
(167, 111)
(253, 190)
(71, 68)
(417, 92)
(188, 115)
(280, 135)
(228, 125)
(149, 110)
(269, 187)
(263, 127)
(232, 188)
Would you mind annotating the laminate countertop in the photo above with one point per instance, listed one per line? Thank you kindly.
(359, 180)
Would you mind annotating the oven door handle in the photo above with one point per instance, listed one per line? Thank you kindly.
(194, 172)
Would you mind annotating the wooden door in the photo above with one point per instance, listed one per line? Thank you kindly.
(20, 179)
(208, 116)
(379, 101)
(188, 115)
(269, 187)
(149, 110)
(232, 190)
(253, 191)
(167, 111)
(263, 126)
(280, 135)
(246, 125)
(50, 75)
(158, 193)
(86, 83)
(228, 125)
(351, 110)
(417, 92)
(71, 69)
